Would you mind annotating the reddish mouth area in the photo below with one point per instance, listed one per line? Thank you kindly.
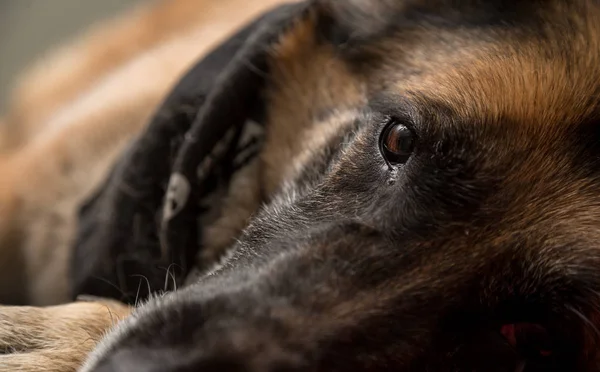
(528, 338)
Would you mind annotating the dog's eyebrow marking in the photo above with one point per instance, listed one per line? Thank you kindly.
(501, 79)
(320, 135)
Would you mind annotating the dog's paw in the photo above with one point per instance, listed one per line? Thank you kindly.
(54, 339)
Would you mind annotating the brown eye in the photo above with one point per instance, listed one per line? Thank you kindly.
(397, 143)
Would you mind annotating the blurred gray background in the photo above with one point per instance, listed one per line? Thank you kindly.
(28, 28)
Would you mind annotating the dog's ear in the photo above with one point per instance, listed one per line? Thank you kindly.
(145, 216)
(358, 22)
(355, 20)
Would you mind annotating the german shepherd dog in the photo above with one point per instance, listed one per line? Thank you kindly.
(426, 195)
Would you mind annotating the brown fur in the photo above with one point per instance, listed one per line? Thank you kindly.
(316, 80)
(77, 141)
(87, 61)
(68, 120)
(54, 339)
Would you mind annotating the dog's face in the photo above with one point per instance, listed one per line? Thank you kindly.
(431, 176)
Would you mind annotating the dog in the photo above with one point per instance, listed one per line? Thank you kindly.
(425, 197)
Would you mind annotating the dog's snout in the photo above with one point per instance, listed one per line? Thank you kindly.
(269, 320)
(145, 361)
(161, 361)
(230, 351)
(131, 360)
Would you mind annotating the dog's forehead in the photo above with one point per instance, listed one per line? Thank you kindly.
(531, 62)
(537, 71)
(527, 94)
(544, 72)
(534, 82)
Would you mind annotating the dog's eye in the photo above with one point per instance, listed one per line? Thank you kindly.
(397, 142)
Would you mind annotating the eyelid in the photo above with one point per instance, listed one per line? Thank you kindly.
(385, 122)
(395, 159)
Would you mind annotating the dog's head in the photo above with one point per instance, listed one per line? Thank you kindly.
(431, 175)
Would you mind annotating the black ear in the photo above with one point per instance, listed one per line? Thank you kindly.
(354, 23)
(144, 218)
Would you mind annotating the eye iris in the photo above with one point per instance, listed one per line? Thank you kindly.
(398, 143)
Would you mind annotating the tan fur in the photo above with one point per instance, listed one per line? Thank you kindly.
(79, 139)
(76, 141)
(54, 339)
(97, 94)
(85, 135)
(11, 256)
(63, 75)
(508, 74)
(83, 141)
(302, 63)
(69, 119)
(238, 208)
(315, 81)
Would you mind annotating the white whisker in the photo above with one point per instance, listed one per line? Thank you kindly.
(584, 318)
(137, 295)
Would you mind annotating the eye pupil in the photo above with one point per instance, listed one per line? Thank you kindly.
(398, 143)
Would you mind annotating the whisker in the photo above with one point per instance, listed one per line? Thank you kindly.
(165, 287)
(585, 319)
(171, 275)
(112, 320)
(125, 295)
(173, 278)
(147, 281)
(137, 295)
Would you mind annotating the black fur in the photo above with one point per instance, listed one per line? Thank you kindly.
(357, 265)
(123, 236)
